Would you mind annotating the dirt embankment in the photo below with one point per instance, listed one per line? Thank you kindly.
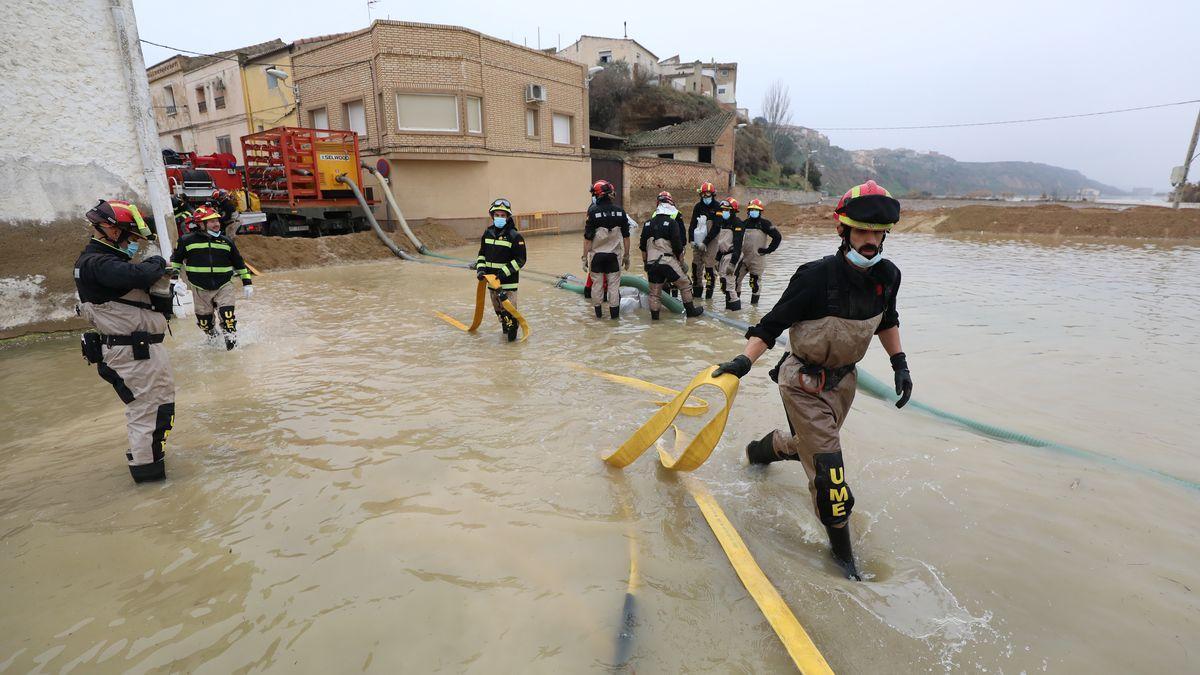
(275, 253)
(1140, 222)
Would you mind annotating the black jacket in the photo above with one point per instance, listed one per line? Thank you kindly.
(664, 226)
(104, 273)
(758, 223)
(502, 252)
(700, 209)
(210, 262)
(832, 286)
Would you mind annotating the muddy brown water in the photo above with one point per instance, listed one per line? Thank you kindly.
(362, 487)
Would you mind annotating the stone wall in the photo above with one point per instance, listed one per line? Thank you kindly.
(768, 195)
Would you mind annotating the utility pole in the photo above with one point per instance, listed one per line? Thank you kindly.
(1187, 160)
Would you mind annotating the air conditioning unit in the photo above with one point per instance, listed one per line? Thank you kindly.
(534, 92)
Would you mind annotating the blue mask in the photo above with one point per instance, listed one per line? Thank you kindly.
(707, 201)
(499, 222)
(860, 260)
(131, 248)
(724, 215)
(753, 214)
(593, 200)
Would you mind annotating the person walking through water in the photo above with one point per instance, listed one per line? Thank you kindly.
(662, 246)
(606, 233)
(727, 256)
(830, 310)
(128, 304)
(502, 253)
(210, 259)
(703, 214)
(752, 240)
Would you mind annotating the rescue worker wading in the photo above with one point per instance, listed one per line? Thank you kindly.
(502, 253)
(751, 239)
(727, 256)
(830, 309)
(128, 304)
(662, 247)
(703, 215)
(606, 233)
(210, 260)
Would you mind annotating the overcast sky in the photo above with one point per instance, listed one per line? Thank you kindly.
(847, 64)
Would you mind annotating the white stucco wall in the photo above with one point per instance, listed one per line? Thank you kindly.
(67, 132)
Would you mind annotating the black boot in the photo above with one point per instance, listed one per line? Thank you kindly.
(762, 451)
(732, 305)
(754, 299)
(587, 292)
(710, 279)
(614, 312)
(654, 314)
(755, 286)
(692, 310)
(230, 341)
(146, 473)
(510, 327)
(598, 310)
(839, 546)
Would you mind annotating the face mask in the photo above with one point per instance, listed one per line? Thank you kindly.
(707, 201)
(213, 233)
(753, 214)
(131, 248)
(724, 215)
(499, 222)
(860, 260)
(593, 200)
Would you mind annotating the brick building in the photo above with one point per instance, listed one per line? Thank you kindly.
(462, 118)
(682, 155)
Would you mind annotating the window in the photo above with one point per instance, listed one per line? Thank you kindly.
(219, 95)
(201, 102)
(272, 81)
(474, 115)
(318, 118)
(427, 112)
(260, 127)
(531, 122)
(562, 129)
(355, 116)
(704, 155)
(720, 90)
(169, 97)
(223, 144)
(606, 56)
(177, 141)
(666, 155)
(724, 73)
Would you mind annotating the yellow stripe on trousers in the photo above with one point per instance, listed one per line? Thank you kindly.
(489, 280)
(796, 640)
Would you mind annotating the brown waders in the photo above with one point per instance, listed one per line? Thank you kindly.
(752, 263)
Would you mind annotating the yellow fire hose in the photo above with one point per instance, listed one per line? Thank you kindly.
(796, 640)
(488, 281)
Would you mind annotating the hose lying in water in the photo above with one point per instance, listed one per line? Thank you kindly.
(488, 281)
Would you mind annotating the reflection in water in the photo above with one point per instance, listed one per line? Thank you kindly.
(360, 486)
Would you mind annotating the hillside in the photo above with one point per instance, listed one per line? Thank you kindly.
(910, 172)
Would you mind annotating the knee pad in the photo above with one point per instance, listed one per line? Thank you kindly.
(164, 420)
(205, 322)
(228, 321)
(834, 499)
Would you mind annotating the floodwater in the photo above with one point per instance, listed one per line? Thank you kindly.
(362, 487)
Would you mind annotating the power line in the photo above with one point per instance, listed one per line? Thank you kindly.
(234, 59)
(1021, 121)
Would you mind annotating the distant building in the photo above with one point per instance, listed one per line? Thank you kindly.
(718, 80)
(591, 50)
(462, 118)
(682, 155)
(200, 101)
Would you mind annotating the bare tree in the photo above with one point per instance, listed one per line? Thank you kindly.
(777, 109)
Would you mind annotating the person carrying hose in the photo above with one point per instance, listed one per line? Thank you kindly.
(128, 304)
(703, 215)
(662, 247)
(752, 240)
(727, 256)
(830, 309)
(606, 233)
(502, 253)
(210, 260)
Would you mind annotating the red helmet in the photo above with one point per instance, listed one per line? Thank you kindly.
(602, 188)
(708, 189)
(733, 204)
(220, 194)
(120, 214)
(755, 205)
(725, 205)
(665, 197)
(204, 213)
(868, 207)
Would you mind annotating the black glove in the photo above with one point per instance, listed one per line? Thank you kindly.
(481, 274)
(764, 251)
(739, 366)
(903, 378)
(157, 260)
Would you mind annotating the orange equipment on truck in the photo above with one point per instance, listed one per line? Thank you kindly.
(294, 172)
